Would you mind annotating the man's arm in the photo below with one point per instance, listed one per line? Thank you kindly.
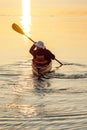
(32, 49)
(52, 56)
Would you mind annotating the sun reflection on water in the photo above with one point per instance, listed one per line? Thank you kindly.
(26, 18)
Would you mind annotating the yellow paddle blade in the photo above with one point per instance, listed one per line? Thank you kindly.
(17, 28)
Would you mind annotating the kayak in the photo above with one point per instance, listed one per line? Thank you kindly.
(41, 70)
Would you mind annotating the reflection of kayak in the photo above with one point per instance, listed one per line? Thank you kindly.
(41, 70)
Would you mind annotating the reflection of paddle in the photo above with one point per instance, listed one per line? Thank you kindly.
(19, 30)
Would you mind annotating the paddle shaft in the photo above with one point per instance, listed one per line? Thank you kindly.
(58, 61)
(30, 38)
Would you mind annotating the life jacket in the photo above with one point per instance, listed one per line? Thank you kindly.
(40, 60)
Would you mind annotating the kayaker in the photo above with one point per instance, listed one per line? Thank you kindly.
(41, 55)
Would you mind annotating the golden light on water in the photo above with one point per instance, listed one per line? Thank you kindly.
(26, 18)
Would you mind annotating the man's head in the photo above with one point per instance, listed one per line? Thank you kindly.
(40, 44)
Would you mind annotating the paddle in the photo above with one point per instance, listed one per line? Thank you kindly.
(19, 30)
(59, 62)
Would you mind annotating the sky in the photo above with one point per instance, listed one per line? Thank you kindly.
(53, 4)
(61, 4)
(10, 4)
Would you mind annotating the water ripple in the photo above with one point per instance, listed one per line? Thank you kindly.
(55, 101)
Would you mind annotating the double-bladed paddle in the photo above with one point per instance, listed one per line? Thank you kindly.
(19, 30)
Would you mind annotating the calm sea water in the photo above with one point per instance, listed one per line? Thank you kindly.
(57, 101)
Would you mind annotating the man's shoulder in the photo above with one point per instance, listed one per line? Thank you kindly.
(47, 50)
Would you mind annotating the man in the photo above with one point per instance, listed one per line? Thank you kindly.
(41, 55)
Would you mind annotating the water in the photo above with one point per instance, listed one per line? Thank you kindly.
(56, 101)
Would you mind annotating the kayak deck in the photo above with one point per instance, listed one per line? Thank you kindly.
(41, 70)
